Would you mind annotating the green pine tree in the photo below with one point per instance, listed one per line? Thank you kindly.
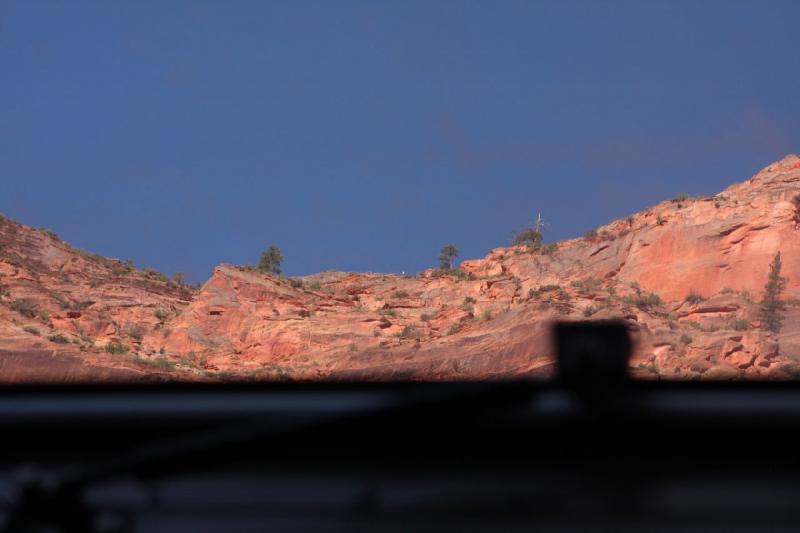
(772, 306)
(447, 256)
(271, 260)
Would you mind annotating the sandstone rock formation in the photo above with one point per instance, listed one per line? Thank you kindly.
(685, 274)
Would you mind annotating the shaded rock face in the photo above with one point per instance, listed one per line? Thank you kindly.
(685, 274)
(71, 304)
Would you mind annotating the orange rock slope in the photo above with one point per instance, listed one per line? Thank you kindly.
(686, 275)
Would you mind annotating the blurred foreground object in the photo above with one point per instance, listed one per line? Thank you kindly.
(592, 450)
(592, 354)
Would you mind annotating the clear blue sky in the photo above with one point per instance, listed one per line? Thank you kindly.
(365, 135)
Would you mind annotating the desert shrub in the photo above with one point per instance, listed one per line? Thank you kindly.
(62, 300)
(123, 267)
(589, 311)
(606, 236)
(296, 283)
(697, 367)
(78, 328)
(591, 235)
(353, 347)
(694, 298)
(739, 324)
(746, 296)
(400, 294)
(643, 301)
(25, 306)
(550, 249)
(115, 348)
(152, 273)
(32, 330)
(163, 363)
(486, 315)
(305, 313)
(50, 233)
(136, 332)
(89, 256)
(81, 305)
(695, 324)
(161, 314)
(425, 317)
(528, 236)
(460, 274)
(455, 328)
(388, 312)
(58, 339)
(315, 285)
(588, 284)
(680, 197)
(160, 363)
(651, 300)
(409, 332)
(535, 293)
(469, 300)
(726, 290)
(686, 339)
(44, 316)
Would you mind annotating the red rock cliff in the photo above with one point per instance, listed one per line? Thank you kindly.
(88, 317)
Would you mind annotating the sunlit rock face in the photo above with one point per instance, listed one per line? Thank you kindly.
(686, 275)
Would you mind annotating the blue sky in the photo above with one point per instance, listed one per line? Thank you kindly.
(365, 135)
